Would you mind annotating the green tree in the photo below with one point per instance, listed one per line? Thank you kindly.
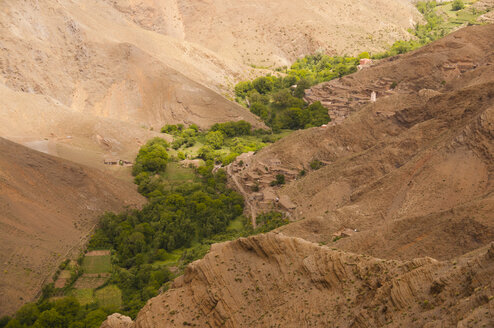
(255, 97)
(4, 320)
(233, 129)
(363, 55)
(318, 114)
(77, 324)
(301, 86)
(282, 98)
(260, 110)
(269, 221)
(27, 314)
(14, 323)
(50, 319)
(295, 118)
(152, 157)
(68, 306)
(243, 88)
(215, 139)
(263, 84)
(95, 318)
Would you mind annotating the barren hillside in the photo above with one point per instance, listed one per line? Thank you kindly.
(64, 63)
(414, 167)
(275, 33)
(48, 207)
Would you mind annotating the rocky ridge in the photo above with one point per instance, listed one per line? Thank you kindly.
(277, 281)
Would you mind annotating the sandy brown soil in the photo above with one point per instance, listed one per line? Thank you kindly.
(48, 207)
(107, 72)
(276, 32)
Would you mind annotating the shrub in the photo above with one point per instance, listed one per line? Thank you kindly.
(270, 221)
(169, 128)
(280, 180)
(152, 157)
(215, 139)
(457, 5)
(316, 164)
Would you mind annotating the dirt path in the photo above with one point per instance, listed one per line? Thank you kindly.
(245, 195)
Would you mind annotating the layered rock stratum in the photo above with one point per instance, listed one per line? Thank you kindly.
(420, 156)
(277, 281)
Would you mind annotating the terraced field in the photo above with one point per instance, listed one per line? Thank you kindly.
(97, 268)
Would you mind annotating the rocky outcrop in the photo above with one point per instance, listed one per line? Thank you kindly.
(274, 280)
(117, 320)
(425, 71)
(396, 222)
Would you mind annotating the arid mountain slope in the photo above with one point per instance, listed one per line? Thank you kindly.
(89, 62)
(412, 172)
(126, 67)
(48, 207)
(277, 281)
(275, 33)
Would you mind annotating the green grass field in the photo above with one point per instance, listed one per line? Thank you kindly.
(97, 264)
(83, 296)
(176, 173)
(110, 296)
(457, 17)
(171, 259)
(236, 225)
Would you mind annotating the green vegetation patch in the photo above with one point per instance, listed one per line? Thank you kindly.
(176, 173)
(83, 296)
(109, 296)
(64, 274)
(97, 264)
(236, 225)
(85, 281)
